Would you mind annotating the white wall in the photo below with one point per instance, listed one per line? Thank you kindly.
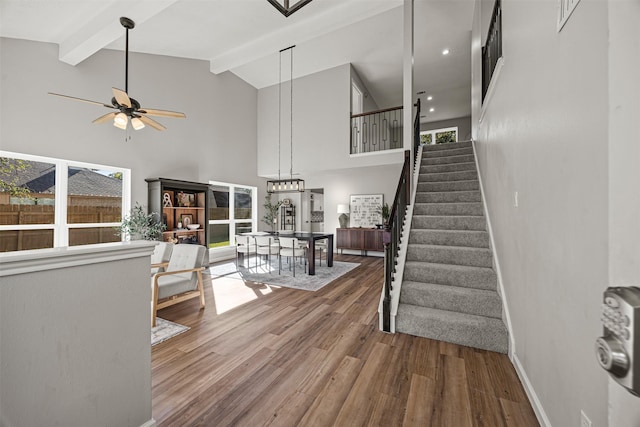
(339, 186)
(368, 102)
(320, 128)
(544, 136)
(322, 104)
(76, 352)
(217, 140)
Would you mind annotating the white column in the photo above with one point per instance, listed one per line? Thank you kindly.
(407, 75)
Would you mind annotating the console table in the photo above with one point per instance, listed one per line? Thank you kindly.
(360, 239)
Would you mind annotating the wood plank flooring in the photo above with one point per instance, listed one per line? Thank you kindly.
(261, 356)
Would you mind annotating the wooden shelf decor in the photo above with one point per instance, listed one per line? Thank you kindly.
(182, 203)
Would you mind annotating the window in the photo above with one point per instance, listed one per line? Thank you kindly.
(47, 202)
(439, 136)
(232, 210)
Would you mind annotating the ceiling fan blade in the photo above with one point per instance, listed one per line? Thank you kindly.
(82, 100)
(162, 113)
(147, 121)
(104, 118)
(122, 97)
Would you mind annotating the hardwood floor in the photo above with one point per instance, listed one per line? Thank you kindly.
(258, 356)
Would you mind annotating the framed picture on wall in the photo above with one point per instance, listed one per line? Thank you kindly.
(365, 210)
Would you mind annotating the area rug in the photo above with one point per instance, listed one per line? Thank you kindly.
(164, 330)
(268, 274)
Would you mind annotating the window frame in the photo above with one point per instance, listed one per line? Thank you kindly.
(60, 225)
(232, 221)
(433, 133)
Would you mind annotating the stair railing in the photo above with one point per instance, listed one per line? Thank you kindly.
(392, 236)
(377, 131)
(416, 130)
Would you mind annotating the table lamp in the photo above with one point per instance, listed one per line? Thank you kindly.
(343, 210)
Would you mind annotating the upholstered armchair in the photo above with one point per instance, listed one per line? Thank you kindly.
(160, 257)
(182, 279)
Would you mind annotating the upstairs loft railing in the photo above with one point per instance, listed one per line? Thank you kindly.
(393, 235)
(376, 131)
(492, 50)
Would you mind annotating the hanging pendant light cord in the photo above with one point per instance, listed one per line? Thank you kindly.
(279, 112)
(126, 63)
(291, 123)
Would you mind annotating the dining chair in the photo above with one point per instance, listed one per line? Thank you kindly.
(182, 279)
(289, 247)
(266, 246)
(245, 245)
(321, 245)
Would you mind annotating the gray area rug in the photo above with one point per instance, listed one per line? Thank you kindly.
(268, 274)
(164, 330)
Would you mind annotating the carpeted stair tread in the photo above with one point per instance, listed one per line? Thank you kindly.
(480, 302)
(449, 289)
(440, 186)
(449, 176)
(457, 151)
(460, 158)
(449, 222)
(447, 146)
(468, 238)
(482, 332)
(449, 197)
(450, 255)
(450, 274)
(454, 209)
(448, 167)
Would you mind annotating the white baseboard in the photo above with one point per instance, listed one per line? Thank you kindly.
(150, 423)
(531, 393)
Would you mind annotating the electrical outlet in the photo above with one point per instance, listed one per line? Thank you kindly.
(584, 420)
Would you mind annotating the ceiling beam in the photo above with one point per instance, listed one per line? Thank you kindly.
(299, 32)
(104, 28)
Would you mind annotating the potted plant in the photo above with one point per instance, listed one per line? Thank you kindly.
(384, 212)
(271, 211)
(142, 226)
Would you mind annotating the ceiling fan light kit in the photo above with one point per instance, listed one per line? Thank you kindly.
(128, 107)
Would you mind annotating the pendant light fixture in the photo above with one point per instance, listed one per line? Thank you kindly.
(287, 7)
(285, 185)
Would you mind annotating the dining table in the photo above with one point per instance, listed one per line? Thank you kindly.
(306, 236)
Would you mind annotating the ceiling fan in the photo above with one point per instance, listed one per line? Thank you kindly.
(127, 108)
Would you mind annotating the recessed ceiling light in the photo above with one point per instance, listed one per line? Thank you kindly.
(429, 98)
(445, 52)
(431, 110)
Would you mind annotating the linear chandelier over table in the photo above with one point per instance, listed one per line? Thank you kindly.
(291, 184)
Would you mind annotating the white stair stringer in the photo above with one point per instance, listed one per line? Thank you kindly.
(402, 251)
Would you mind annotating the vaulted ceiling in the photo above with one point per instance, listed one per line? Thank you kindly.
(244, 37)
